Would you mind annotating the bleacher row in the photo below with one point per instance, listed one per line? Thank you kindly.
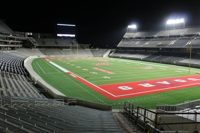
(13, 64)
(11, 40)
(45, 117)
(56, 42)
(164, 33)
(179, 38)
(16, 85)
(23, 52)
(179, 42)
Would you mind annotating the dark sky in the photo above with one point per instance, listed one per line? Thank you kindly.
(99, 22)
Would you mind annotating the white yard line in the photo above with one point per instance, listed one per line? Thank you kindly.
(41, 68)
(53, 68)
(59, 67)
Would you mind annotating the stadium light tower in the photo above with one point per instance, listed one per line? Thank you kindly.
(176, 22)
(70, 25)
(132, 27)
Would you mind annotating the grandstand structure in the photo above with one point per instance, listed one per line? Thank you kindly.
(27, 104)
(174, 46)
(12, 40)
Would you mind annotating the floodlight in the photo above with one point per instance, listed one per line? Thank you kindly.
(71, 25)
(66, 35)
(132, 26)
(175, 21)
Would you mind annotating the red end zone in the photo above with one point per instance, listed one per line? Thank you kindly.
(133, 89)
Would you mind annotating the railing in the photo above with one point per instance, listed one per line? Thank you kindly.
(159, 122)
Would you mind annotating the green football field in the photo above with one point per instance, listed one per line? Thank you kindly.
(105, 72)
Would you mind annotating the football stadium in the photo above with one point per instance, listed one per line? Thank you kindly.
(148, 82)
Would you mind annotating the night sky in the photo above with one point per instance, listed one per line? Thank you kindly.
(102, 23)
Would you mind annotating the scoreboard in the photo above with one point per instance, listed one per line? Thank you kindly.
(66, 30)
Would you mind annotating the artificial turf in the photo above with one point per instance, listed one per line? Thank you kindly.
(123, 70)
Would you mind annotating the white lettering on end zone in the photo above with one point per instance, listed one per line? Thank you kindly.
(125, 88)
(164, 82)
(180, 80)
(193, 79)
(147, 85)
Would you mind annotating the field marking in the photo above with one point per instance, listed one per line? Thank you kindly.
(40, 68)
(103, 70)
(67, 71)
(50, 65)
(93, 72)
(59, 67)
(106, 77)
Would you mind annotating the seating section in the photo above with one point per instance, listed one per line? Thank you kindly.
(179, 32)
(13, 78)
(195, 43)
(67, 52)
(48, 117)
(127, 55)
(172, 42)
(98, 52)
(176, 38)
(164, 59)
(16, 85)
(188, 110)
(160, 57)
(176, 46)
(50, 42)
(24, 52)
(8, 40)
(12, 64)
